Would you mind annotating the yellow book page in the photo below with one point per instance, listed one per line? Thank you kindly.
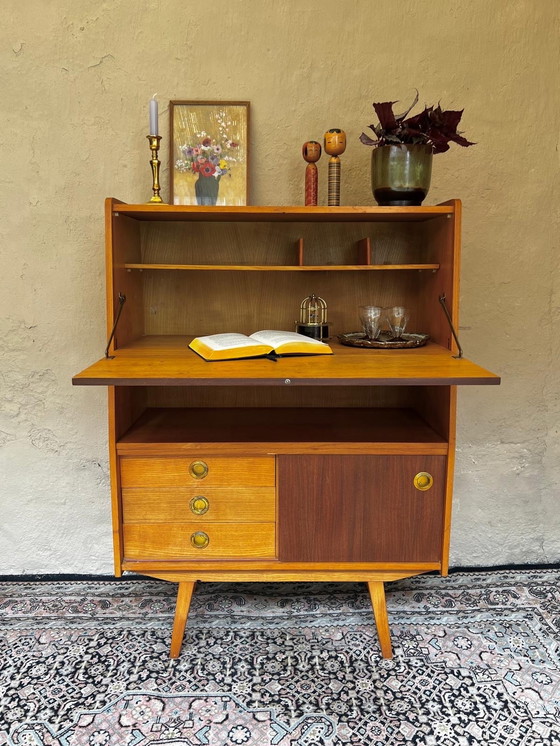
(291, 343)
(228, 347)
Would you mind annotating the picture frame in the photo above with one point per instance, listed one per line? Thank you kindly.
(209, 159)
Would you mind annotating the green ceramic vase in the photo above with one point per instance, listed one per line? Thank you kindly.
(206, 190)
(400, 174)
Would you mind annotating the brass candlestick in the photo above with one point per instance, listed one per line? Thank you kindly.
(154, 147)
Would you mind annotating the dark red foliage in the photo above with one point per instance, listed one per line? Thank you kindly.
(385, 115)
(433, 126)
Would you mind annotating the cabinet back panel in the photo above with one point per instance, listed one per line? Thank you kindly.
(202, 302)
(274, 396)
(275, 244)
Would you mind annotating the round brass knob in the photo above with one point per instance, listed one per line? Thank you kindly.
(423, 481)
(199, 505)
(198, 469)
(200, 540)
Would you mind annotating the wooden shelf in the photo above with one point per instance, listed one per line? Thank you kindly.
(285, 214)
(167, 361)
(281, 430)
(282, 268)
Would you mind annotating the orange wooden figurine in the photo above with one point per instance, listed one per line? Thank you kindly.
(311, 152)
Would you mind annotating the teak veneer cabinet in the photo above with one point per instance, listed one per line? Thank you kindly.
(309, 468)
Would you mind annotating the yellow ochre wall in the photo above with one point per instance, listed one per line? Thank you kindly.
(76, 79)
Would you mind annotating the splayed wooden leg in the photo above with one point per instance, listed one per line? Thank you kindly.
(184, 595)
(377, 595)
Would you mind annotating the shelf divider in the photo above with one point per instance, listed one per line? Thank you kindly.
(364, 251)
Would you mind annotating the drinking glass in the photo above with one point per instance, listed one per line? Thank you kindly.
(397, 318)
(371, 317)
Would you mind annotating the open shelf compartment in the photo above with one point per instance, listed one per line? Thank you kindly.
(281, 430)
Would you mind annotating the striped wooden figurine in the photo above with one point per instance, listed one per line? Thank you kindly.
(335, 145)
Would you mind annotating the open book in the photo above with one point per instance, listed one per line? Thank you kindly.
(266, 342)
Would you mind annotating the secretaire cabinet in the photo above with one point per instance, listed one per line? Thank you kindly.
(336, 467)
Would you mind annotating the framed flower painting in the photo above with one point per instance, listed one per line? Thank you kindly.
(209, 152)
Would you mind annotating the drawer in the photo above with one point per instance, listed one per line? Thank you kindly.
(170, 504)
(213, 471)
(175, 541)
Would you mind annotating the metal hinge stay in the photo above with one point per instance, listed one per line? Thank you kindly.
(122, 301)
(453, 332)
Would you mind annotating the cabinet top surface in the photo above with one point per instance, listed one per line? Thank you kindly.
(288, 213)
(167, 360)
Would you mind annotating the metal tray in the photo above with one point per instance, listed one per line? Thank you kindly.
(384, 341)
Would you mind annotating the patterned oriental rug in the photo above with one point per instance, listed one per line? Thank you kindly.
(85, 663)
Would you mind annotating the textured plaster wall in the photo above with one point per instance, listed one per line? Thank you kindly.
(76, 79)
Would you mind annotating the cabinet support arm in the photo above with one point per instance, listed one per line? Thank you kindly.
(453, 332)
(122, 301)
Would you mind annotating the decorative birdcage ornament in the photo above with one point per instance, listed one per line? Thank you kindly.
(313, 318)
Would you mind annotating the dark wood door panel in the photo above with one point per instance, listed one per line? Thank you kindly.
(345, 508)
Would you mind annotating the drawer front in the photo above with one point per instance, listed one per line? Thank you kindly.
(199, 540)
(185, 504)
(179, 472)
